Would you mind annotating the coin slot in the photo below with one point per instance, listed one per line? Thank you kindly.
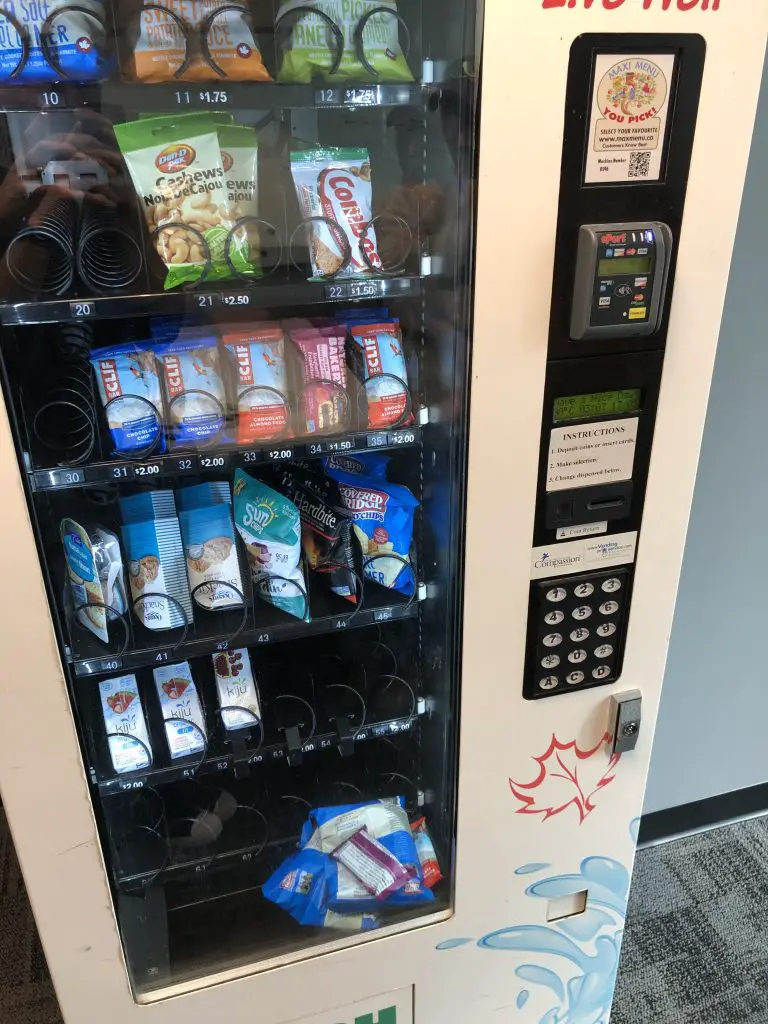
(594, 506)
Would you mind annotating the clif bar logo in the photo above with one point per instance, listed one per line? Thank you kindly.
(176, 157)
(647, 5)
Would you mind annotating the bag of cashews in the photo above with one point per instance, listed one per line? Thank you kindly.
(178, 171)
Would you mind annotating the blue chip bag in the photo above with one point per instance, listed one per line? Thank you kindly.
(129, 386)
(75, 42)
(370, 464)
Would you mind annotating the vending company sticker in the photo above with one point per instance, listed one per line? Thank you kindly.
(391, 1008)
(589, 554)
(630, 107)
(588, 530)
(591, 454)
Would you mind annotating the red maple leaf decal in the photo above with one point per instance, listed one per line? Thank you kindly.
(567, 776)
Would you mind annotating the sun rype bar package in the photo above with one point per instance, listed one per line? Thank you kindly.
(194, 389)
(336, 184)
(238, 697)
(382, 370)
(271, 528)
(156, 564)
(372, 864)
(383, 518)
(176, 167)
(162, 45)
(129, 387)
(309, 50)
(124, 723)
(180, 707)
(326, 528)
(95, 574)
(262, 406)
(324, 408)
(76, 42)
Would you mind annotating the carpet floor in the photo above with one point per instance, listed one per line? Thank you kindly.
(695, 949)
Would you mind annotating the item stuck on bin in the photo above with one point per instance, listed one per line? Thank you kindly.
(54, 41)
(95, 574)
(381, 367)
(196, 41)
(368, 32)
(369, 464)
(371, 863)
(129, 387)
(325, 406)
(263, 411)
(425, 848)
(335, 185)
(270, 527)
(126, 728)
(238, 697)
(194, 389)
(182, 712)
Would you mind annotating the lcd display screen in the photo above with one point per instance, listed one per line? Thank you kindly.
(625, 265)
(600, 403)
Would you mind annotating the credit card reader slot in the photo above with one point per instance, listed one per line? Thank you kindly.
(589, 505)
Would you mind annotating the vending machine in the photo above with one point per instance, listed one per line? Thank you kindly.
(355, 359)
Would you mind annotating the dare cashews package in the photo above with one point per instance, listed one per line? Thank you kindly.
(335, 184)
(195, 41)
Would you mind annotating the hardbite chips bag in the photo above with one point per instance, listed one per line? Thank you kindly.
(311, 45)
(190, 39)
(336, 184)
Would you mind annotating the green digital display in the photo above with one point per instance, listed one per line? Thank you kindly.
(600, 403)
(624, 265)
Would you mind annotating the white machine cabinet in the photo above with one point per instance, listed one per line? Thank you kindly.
(355, 360)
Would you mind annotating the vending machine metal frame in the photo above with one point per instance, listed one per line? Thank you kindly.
(536, 846)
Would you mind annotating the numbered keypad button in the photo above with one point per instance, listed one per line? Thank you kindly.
(549, 683)
(550, 661)
(603, 651)
(611, 586)
(557, 594)
(606, 629)
(574, 678)
(582, 612)
(576, 657)
(601, 672)
(608, 608)
(580, 635)
(552, 640)
(584, 590)
(554, 618)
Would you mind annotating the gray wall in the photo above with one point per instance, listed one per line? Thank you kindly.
(717, 672)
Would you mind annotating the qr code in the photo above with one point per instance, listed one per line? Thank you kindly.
(639, 165)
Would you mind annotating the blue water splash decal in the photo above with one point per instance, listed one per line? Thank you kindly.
(453, 943)
(530, 869)
(542, 976)
(522, 998)
(585, 926)
(634, 829)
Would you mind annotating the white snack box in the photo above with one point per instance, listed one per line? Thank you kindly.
(237, 690)
(181, 710)
(125, 725)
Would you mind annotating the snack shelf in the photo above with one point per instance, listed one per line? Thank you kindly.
(200, 300)
(237, 756)
(189, 96)
(214, 462)
(251, 636)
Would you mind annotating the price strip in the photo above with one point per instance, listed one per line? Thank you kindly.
(240, 299)
(147, 470)
(365, 289)
(282, 454)
(54, 479)
(219, 463)
(346, 444)
(205, 97)
(402, 436)
(361, 97)
(126, 784)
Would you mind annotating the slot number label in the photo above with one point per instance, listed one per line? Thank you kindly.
(82, 310)
(188, 464)
(62, 478)
(378, 440)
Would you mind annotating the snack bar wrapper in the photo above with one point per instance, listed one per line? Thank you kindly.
(309, 50)
(166, 38)
(325, 404)
(129, 386)
(76, 40)
(208, 533)
(382, 370)
(238, 697)
(124, 722)
(194, 390)
(371, 863)
(95, 574)
(270, 527)
(181, 710)
(263, 410)
(336, 184)
(425, 848)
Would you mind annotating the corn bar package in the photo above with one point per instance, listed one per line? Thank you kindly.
(124, 722)
(181, 710)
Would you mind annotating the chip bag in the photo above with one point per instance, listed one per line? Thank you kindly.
(65, 42)
(310, 46)
(191, 39)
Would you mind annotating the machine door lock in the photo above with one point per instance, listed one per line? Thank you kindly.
(626, 712)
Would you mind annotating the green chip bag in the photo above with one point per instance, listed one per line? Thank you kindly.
(310, 46)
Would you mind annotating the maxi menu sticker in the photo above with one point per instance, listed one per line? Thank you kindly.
(630, 107)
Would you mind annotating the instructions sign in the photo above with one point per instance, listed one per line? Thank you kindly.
(590, 454)
(630, 107)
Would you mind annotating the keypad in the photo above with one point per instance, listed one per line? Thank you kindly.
(579, 625)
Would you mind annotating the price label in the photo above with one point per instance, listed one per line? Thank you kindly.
(279, 454)
(256, 759)
(214, 97)
(126, 784)
(59, 478)
(378, 439)
(235, 300)
(217, 462)
(382, 614)
(361, 736)
(341, 446)
(361, 97)
(186, 464)
(249, 458)
(334, 292)
(82, 310)
(402, 437)
(364, 289)
(146, 469)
